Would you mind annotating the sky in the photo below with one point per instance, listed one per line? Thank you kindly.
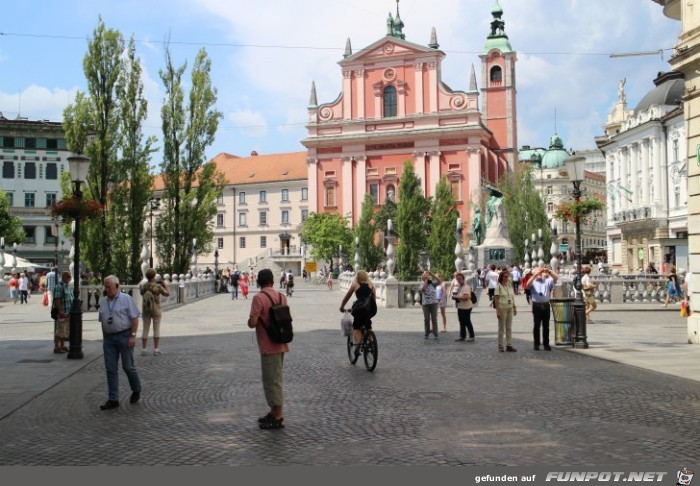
(265, 55)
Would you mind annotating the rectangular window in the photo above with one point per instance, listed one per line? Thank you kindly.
(304, 193)
(30, 143)
(8, 170)
(263, 196)
(220, 220)
(30, 232)
(219, 243)
(220, 199)
(677, 196)
(263, 242)
(11, 197)
(241, 242)
(51, 144)
(29, 199)
(285, 194)
(50, 199)
(550, 207)
(285, 217)
(242, 219)
(30, 170)
(241, 198)
(374, 192)
(549, 190)
(454, 188)
(51, 171)
(263, 218)
(49, 237)
(330, 197)
(304, 215)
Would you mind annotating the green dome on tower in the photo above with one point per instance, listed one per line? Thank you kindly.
(555, 156)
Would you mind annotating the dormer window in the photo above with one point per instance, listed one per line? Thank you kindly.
(389, 101)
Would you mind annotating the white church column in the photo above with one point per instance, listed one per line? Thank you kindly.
(360, 80)
(360, 183)
(663, 172)
(623, 153)
(434, 171)
(656, 164)
(419, 87)
(420, 169)
(346, 168)
(610, 177)
(474, 173)
(347, 94)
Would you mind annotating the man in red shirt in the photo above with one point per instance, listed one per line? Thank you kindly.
(271, 353)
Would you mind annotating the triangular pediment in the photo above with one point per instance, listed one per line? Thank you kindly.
(389, 47)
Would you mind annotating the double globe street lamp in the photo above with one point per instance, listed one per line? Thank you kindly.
(78, 165)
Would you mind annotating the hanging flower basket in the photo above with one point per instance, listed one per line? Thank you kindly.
(578, 210)
(73, 208)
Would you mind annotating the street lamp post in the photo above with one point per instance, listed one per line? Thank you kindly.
(78, 165)
(154, 204)
(575, 167)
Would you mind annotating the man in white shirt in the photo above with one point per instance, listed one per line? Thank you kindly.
(491, 282)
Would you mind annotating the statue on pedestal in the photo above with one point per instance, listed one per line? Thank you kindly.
(476, 229)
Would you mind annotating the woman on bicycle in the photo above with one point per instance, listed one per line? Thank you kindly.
(362, 288)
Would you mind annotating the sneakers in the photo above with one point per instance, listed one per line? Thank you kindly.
(135, 397)
(109, 404)
(547, 347)
(470, 340)
(511, 349)
(156, 352)
(144, 352)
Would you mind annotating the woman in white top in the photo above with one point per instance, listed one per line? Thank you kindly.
(23, 289)
(441, 295)
(462, 295)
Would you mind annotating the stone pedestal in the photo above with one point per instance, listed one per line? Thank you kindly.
(3, 289)
(392, 293)
(693, 329)
(499, 252)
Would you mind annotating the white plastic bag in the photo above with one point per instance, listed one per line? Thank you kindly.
(346, 324)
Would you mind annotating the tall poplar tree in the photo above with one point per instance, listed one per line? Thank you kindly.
(192, 185)
(130, 195)
(411, 223)
(441, 242)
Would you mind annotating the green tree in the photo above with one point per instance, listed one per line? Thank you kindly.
(130, 195)
(97, 115)
(370, 253)
(411, 223)
(10, 226)
(326, 232)
(441, 242)
(192, 185)
(525, 211)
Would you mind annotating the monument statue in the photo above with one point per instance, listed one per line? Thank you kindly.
(476, 229)
(493, 205)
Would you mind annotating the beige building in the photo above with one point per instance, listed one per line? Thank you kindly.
(686, 59)
(264, 202)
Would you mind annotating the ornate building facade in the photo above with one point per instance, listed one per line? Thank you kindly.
(646, 160)
(394, 107)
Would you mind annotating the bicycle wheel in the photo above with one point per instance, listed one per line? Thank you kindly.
(371, 351)
(351, 351)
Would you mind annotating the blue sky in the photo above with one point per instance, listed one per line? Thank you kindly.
(563, 56)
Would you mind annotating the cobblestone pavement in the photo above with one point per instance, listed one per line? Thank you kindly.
(429, 402)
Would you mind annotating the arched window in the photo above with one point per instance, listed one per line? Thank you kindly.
(496, 75)
(389, 101)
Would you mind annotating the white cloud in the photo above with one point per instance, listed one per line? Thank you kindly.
(37, 103)
(248, 122)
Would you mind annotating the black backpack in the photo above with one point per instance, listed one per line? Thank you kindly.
(280, 327)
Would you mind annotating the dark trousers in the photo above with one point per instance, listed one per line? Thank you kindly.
(540, 315)
(465, 323)
(516, 287)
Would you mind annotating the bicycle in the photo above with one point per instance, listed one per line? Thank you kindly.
(368, 347)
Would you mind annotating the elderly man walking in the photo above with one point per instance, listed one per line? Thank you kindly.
(119, 317)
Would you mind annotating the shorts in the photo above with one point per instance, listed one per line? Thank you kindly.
(61, 328)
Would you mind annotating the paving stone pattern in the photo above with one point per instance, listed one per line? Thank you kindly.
(429, 402)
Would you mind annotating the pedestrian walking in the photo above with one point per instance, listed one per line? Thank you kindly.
(271, 353)
(461, 293)
(588, 292)
(119, 317)
(23, 284)
(541, 286)
(673, 289)
(515, 277)
(505, 311)
(235, 277)
(151, 310)
(429, 302)
(63, 302)
(491, 282)
(51, 281)
(244, 283)
(441, 295)
(13, 287)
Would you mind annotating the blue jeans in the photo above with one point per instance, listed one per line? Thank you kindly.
(234, 292)
(114, 346)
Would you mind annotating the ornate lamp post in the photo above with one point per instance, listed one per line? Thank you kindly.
(575, 166)
(79, 165)
(154, 205)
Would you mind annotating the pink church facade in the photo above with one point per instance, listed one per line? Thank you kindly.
(395, 107)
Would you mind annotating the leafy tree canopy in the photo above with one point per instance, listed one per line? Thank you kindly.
(326, 232)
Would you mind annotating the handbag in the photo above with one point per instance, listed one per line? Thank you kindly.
(45, 299)
(472, 296)
(346, 324)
